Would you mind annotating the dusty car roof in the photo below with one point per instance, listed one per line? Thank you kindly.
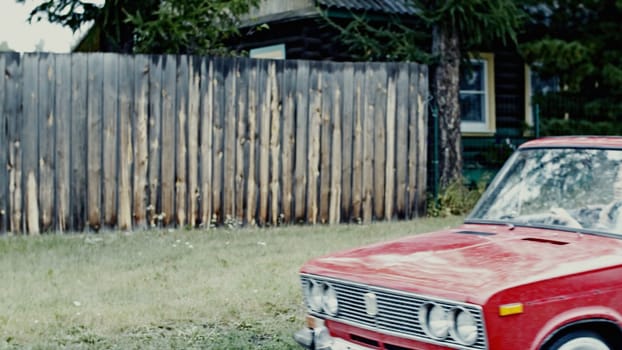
(575, 141)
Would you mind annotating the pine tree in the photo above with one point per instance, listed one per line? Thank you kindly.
(457, 27)
(578, 43)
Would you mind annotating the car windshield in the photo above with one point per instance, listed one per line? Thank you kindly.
(569, 188)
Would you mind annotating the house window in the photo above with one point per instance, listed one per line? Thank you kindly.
(270, 52)
(477, 107)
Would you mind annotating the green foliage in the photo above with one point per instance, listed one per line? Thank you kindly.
(149, 26)
(477, 22)
(554, 55)
(457, 27)
(392, 39)
(457, 198)
(579, 43)
(588, 113)
(110, 30)
(188, 27)
(559, 127)
(68, 13)
(494, 155)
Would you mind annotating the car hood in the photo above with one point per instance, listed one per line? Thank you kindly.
(470, 263)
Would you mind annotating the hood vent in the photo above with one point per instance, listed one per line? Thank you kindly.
(542, 240)
(477, 233)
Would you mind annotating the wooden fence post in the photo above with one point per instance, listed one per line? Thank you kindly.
(63, 144)
(124, 143)
(14, 117)
(313, 155)
(194, 104)
(154, 131)
(206, 123)
(275, 142)
(140, 125)
(30, 147)
(4, 147)
(181, 141)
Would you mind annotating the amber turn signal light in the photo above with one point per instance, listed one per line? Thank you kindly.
(510, 309)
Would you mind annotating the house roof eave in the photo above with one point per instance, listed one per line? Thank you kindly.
(286, 16)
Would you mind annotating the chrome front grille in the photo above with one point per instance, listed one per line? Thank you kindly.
(397, 311)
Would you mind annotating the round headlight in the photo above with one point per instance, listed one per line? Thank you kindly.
(330, 304)
(434, 321)
(464, 327)
(314, 295)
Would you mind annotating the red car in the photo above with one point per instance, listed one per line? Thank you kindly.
(536, 265)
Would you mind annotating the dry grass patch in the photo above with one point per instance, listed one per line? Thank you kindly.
(168, 289)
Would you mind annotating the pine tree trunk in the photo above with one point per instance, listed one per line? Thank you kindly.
(445, 87)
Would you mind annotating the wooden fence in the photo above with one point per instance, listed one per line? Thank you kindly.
(92, 141)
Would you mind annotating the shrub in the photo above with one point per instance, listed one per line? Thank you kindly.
(456, 198)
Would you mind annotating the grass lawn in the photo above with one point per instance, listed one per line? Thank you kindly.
(169, 289)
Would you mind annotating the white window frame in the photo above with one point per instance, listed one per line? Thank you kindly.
(488, 125)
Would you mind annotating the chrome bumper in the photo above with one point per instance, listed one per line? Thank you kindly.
(305, 338)
(320, 339)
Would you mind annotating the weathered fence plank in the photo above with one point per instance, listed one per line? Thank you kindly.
(30, 131)
(181, 153)
(206, 124)
(422, 123)
(79, 141)
(313, 154)
(230, 123)
(336, 153)
(12, 107)
(415, 136)
(347, 121)
(263, 125)
(140, 122)
(401, 144)
(105, 140)
(154, 208)
(389, 174)
(380, 139)
(302, 120)
(289, 138)
(264, 141)
(94, 132)
(251, 184)
(110, 124)
(275, 141)
(4, 147)
(218, 139)
(241, 146)
(124, 143)
(194, 104)
(357, 141)
(325, 142)
(46, 120)
(368, 141)
(62, 115)
(167, 170)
